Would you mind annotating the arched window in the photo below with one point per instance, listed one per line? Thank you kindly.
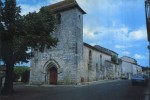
(90, 59)
(100, 62)
(97, 68)
(79, 16)
(58, 16)
(90, 56)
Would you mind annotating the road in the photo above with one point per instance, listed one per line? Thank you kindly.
(112, 90)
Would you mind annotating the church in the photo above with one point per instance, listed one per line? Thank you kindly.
(72, 61)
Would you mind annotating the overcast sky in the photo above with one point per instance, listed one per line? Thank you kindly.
(118, 25)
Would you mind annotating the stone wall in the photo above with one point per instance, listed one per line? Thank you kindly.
(67, 55)
(113, 71)
(97, 70)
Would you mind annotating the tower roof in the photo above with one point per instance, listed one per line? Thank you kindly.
(65, 5)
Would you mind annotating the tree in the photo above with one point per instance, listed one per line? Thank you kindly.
(23, 72)
(8, 17)
(1, 4)
(114, 59)
(23, 33)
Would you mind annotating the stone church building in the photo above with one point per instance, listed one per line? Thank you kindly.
(72, 61)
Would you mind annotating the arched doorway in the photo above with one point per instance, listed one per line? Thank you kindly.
(51, 68)
(53, 76)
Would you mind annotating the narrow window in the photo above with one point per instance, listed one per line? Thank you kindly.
(79, 16)
(58, 18)
(101, 62)
(97, 67)
(76, 48)
(90, 56)
(90, 59)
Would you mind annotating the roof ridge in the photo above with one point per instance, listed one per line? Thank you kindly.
(64, 5)
(86, 44)
(98, 46)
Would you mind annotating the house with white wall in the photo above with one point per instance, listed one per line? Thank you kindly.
(129, 67)
(139, 69)
(94, 62)
(98, 63)
(112, 68)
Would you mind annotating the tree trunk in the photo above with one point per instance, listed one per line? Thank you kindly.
(8, 85)
(7, 54)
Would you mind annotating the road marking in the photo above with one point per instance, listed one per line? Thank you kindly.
(147, 97)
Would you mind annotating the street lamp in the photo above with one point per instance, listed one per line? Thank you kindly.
(147, 12)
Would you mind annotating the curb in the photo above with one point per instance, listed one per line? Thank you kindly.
(79, 85)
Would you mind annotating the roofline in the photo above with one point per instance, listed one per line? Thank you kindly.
(80, 8)
(129, 57)
(67, 6)
(108, 49)
(130, 62)
(113, 52)
(92, 47)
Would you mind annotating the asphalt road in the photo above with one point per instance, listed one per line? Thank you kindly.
(112, 90)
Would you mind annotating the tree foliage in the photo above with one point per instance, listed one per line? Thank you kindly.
(19, 70)
(114, 59)
(35, 31)
(23, 72)
(21, 33)
(1, 8)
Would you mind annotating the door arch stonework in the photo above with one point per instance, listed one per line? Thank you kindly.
(51, 68)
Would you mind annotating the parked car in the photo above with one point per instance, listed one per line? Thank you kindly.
(140, 79)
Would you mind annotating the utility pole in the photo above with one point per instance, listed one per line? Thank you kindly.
(147, 14)
(149, 53)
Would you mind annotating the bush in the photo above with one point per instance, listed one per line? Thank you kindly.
(23, 72)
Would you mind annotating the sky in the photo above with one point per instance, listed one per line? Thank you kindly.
(118, 25)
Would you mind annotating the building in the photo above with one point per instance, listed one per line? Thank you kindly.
(129, 67)
(72, 61)
(99, 62)
(146, 70)
(60, 65)
(139, 69)
(112, 68)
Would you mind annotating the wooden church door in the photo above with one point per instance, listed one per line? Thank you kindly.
(53, 75)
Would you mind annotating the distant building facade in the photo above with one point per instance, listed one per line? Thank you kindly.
(94, 62)
(129, 67)
(146, 70)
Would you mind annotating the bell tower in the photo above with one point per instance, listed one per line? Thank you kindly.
(68, 53)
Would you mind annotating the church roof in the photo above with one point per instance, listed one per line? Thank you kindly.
(65, 5)
(97, 49)
(105, 50)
